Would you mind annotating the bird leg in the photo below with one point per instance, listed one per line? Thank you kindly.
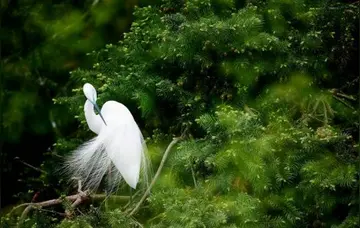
(130, 195)
(109, 174)
(79, 186)
(107, 187)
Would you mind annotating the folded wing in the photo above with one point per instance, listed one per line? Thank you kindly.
(125, 148)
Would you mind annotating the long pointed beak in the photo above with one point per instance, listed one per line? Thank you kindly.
(98, 109)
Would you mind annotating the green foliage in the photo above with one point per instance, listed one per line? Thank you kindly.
(197, 65)
(93, 219)
(41, 42)
(170, 59)
(272, 134)
(199, 209)
(283, 164)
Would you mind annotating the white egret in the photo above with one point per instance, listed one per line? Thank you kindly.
(117, 152)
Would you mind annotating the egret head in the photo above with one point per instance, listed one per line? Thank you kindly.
(90, 94)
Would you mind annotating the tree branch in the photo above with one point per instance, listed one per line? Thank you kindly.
(30, 206)
(28, 165)
(173, 142)
(76, 200)
(81, 196)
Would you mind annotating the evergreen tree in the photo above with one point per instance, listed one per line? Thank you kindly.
(272, 124)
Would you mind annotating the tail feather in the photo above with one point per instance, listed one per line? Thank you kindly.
(116, 154)
(88, 162)
(146, 168)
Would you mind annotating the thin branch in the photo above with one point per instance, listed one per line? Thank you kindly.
(315, 107)
(103, 196)
(51, 211)
(345, 96)
(76, 200)
(193, 176)
(28, 165)
(325, 112)
(95, 2)
(168, 149)
(17, 207)
(135, 195)
(56, 155)
(47, 203)
(343, 102)
(73, 198)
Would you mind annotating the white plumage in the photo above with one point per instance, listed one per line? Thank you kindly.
(117, 152)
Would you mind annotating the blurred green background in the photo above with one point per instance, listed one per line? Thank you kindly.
(268, 90)
(41, 42)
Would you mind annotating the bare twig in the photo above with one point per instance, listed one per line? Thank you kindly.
(76, 200)
(28, 165)
(30, 206)
(168, 149)
(72, 198)
(343, 102)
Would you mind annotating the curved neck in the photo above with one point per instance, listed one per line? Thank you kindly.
(94, 121)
